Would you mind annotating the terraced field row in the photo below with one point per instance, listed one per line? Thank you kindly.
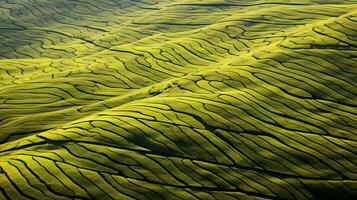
(159, 99)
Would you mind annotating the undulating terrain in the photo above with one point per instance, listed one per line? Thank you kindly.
(178, 99)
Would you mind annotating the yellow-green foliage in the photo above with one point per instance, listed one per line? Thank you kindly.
(178, 99)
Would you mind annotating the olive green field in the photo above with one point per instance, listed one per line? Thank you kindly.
(178, 99)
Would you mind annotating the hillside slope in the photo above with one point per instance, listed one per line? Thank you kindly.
(178, 99)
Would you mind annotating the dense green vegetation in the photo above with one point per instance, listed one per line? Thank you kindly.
(178, 99)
